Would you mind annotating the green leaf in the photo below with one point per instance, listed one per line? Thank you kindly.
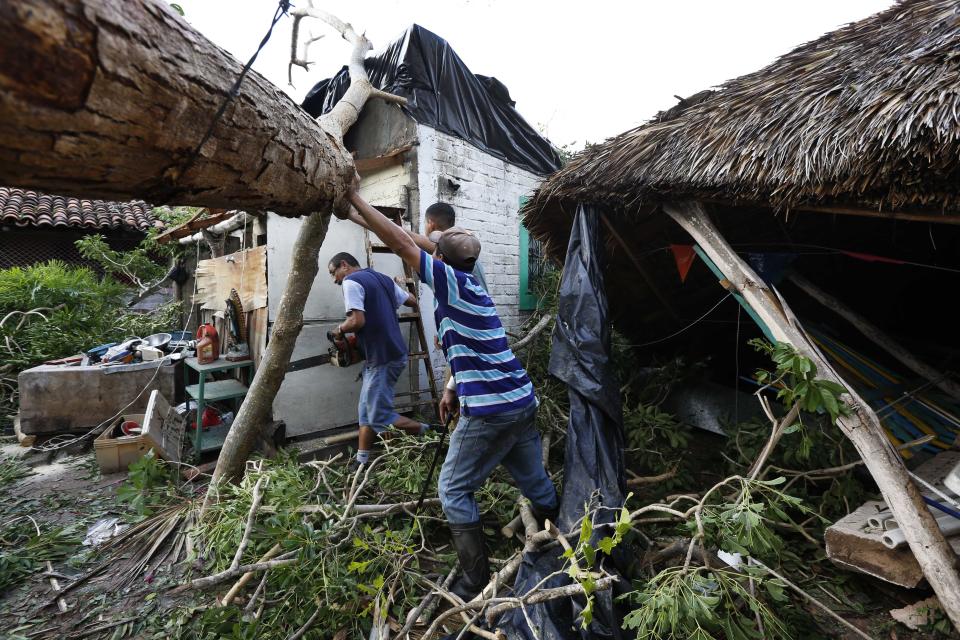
(586, 615)
(775, 590)
(830, 402)
(607, 544)
(586, 528)
(358, 567)
(589, 585)
(589, 555)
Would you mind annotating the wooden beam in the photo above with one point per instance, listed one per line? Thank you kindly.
(877, 336)
(194, 224)
(639, 267)
(906, 216)
(390, 158)
(861, 426)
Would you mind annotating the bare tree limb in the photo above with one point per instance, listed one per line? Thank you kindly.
(223, 576)
(637, 481)
(251, 518)
(809, 597)
(533, 333)
(245, 578)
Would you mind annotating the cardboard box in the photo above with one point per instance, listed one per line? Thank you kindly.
(161, 430)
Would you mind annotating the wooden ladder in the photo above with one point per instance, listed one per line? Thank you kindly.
(409, 400)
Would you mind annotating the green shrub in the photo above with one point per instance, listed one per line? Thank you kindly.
(53, 310)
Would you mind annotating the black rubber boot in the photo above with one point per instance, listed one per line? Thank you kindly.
(550, 515)
(474, 566)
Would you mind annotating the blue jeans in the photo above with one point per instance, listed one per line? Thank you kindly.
(477, 446)
(376, 394)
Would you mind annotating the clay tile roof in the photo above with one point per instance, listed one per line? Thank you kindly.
(24, 208)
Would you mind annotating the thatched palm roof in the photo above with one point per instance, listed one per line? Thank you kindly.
(866, 116)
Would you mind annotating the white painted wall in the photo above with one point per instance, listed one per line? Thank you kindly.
(487, 203)
(324, 397)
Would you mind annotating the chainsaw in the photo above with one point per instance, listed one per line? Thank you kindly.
(344, 350)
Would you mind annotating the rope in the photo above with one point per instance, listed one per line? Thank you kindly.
(282, 8)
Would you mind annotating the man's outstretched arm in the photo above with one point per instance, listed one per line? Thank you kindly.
(390, 234)
(421, 241)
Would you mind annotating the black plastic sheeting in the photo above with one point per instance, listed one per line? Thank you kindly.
(593, 467)
(442, 93)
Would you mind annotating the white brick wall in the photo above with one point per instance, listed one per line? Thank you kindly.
(487, 203)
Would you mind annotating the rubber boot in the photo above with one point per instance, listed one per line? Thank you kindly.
(474, 566)
(541, 516)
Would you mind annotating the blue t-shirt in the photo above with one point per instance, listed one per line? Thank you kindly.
(489, 378)
(380, 336)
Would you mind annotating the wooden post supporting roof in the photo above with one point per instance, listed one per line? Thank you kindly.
(862, 427)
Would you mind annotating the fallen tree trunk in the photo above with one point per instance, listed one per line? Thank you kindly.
(861, 426)
(108, 99)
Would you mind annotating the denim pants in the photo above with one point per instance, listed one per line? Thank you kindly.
(477, 446)
(375, 409)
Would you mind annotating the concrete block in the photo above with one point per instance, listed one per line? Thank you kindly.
(853, 543)
(58, 399)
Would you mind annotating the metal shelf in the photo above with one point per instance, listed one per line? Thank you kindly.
(218, 390)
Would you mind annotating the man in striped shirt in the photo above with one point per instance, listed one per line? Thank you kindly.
(498, 406)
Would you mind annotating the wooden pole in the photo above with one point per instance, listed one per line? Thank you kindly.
(936, 558)
(876, 335)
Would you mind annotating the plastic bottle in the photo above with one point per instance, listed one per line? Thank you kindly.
(208, 344)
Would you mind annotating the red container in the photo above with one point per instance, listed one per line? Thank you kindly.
(211, 418)
(208, 344)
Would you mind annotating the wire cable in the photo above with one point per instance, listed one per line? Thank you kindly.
(282, 8)
(676, 333)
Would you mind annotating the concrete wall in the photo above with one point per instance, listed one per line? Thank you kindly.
(485, 192)
(55, 398)
(324, 397)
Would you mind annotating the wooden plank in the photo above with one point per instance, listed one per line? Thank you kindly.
(907, 216)
(257, 340)
(245, 271)
(195, 224)
(853, 543)
(874, 334)
(385, 187)
(390, 158)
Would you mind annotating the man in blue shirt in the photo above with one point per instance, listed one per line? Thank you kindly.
(496, 399)
(371, 300)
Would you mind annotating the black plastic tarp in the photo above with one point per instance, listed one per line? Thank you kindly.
(593, 472)
(442, 93)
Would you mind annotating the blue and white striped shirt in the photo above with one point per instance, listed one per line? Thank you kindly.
(489, 378)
